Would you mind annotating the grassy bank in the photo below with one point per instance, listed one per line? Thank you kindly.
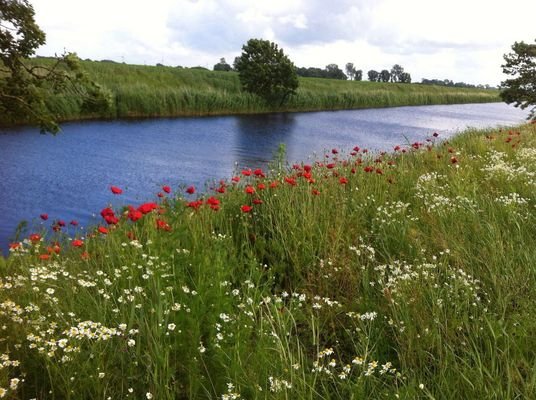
(409, 275)
(146, 91)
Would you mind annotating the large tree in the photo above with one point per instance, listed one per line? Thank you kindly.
(25, 86)
(521, 65)
(266, 71)
(350, 70)
(222, 66)
(385, 75)
(396, 73)
(373, 75)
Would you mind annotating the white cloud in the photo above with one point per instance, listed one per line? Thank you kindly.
(458, 39)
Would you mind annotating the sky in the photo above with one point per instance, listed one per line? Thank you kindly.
(461, 40)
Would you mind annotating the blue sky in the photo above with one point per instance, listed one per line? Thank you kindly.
(462, 40)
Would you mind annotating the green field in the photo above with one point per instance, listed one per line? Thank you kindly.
(407, 275)
(146, 91)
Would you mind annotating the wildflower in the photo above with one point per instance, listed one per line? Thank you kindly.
(134, 214)
(44, 217)
(246, 208)
(147, 207)
(163, 225)
(103, 230)
(330, 166)
(74, 222)
(435, 134)
(166, 189)
(316, 192)
(148, 395)
(77, 243)
(257, 201)
(343, 180)
(334, 151)
(116, 190)
(84, 256)
(235, 179)
(35, 237)
(261, 186)
(246, 172)
(274, 184)
(379, 171)
(44, 257)
(221, 189)
(250, 190)
(307, 168)
(368, 169)
(171, 327)
(195, 204)
(290, 181)
(258, 172)
(397, 148)
(190, 190)
(453, 160)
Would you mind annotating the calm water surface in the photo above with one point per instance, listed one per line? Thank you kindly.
(68, 176)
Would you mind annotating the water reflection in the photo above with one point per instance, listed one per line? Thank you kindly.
(257, 137)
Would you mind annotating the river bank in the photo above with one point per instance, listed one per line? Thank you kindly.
(146, 91)
(361, 273)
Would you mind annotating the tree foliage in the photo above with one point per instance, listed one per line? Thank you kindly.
(350, 70)
(521, 88)
(222, 66)
(373, 75)
(24, 85)
(266, 71)
(385, 76)
(396, 73)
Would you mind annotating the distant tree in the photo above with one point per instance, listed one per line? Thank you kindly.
(350, 70)
(266, 71)
(373, 75)
(222, 66)
(358, 75)
(521, 65)
(405, 77)
(334, 72)
(26, 86)
(160, 65)
(385, 75)
(235, 63)
(396, 73)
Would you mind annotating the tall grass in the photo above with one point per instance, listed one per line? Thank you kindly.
(146, 91)
(409, 274)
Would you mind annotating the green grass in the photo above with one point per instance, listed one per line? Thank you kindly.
(146, 91)
(416, 279)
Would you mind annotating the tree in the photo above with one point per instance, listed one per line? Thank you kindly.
(266, 71)
(222, 66)
(25, 86)
(396, 73)
(334, 72)
(405, 77)
(358, 75)
(384, 76)
(350, 70)
(373, 75)
(521, 89)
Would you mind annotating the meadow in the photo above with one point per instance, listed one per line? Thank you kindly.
(408, 274)
(150, 91)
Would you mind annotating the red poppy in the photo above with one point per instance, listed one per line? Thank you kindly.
(274, 184)
(190, 190)
(250, 190)
(160, 194)
(35, 237)
(162, 225)
(343, 180)
(290, 181)
(14, 246)
(84, 256)
(353, 171)
(134, 214)
(221, 189)
(146, 208)
(54, 249)
(246, 172)
(44, 256)
(435, 134)
(116, 190)
(334, 151)
(261, 186)
(77, 243)
(195, 204)
(213, 201)
(307, 168)
(235, 179)
(450, 150)
(453, 160)
(131, 235)
(74, 222)
(108, 211)
(257, 201)
(356, 148)
(397, 148)
(246, 208)
(316, 192)
(379, 171)
(258, 172)
(111, 219)
(330, 166)
(166, 189)
(102, 230)
(368, 169)
(61, 223)
(44, 217)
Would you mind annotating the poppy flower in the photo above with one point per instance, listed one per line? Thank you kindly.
(334, 151)
(246, 172)
(116, 190)
(111, 219)
(261, 186)
(131, 235)
(330, 166)
(258, 172)
(14, 246)
(316, 192)
(368, 169)
(353, 153)
(108, 211)
(194, 204)
(343, 180)
(44, 256)
(221, 189)
(146, 208)
(290, 181)
(54, 249)
(296, 166)
(61, 223)
(274, 184)
(235, 179)
(257, 201)
(435, 134)
(379, 171)
(190, 190)
(353, 171)
(397, 148)
(246, 208)
(35, 237)
(160, 194)
(453, 160)
(134, 214)
(250, 190)
(162, 225)
(166, 189)
(213, 201)
(307, 168)
(74, 222)
(356, 148)
(77, 243)
(450, 150)
(44, 217)
(84, 256)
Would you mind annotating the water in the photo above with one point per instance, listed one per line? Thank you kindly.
(68, 176)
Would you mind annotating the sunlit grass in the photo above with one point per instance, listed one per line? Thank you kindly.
(408, 274)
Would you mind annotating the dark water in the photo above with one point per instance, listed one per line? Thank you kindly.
(68, 176)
